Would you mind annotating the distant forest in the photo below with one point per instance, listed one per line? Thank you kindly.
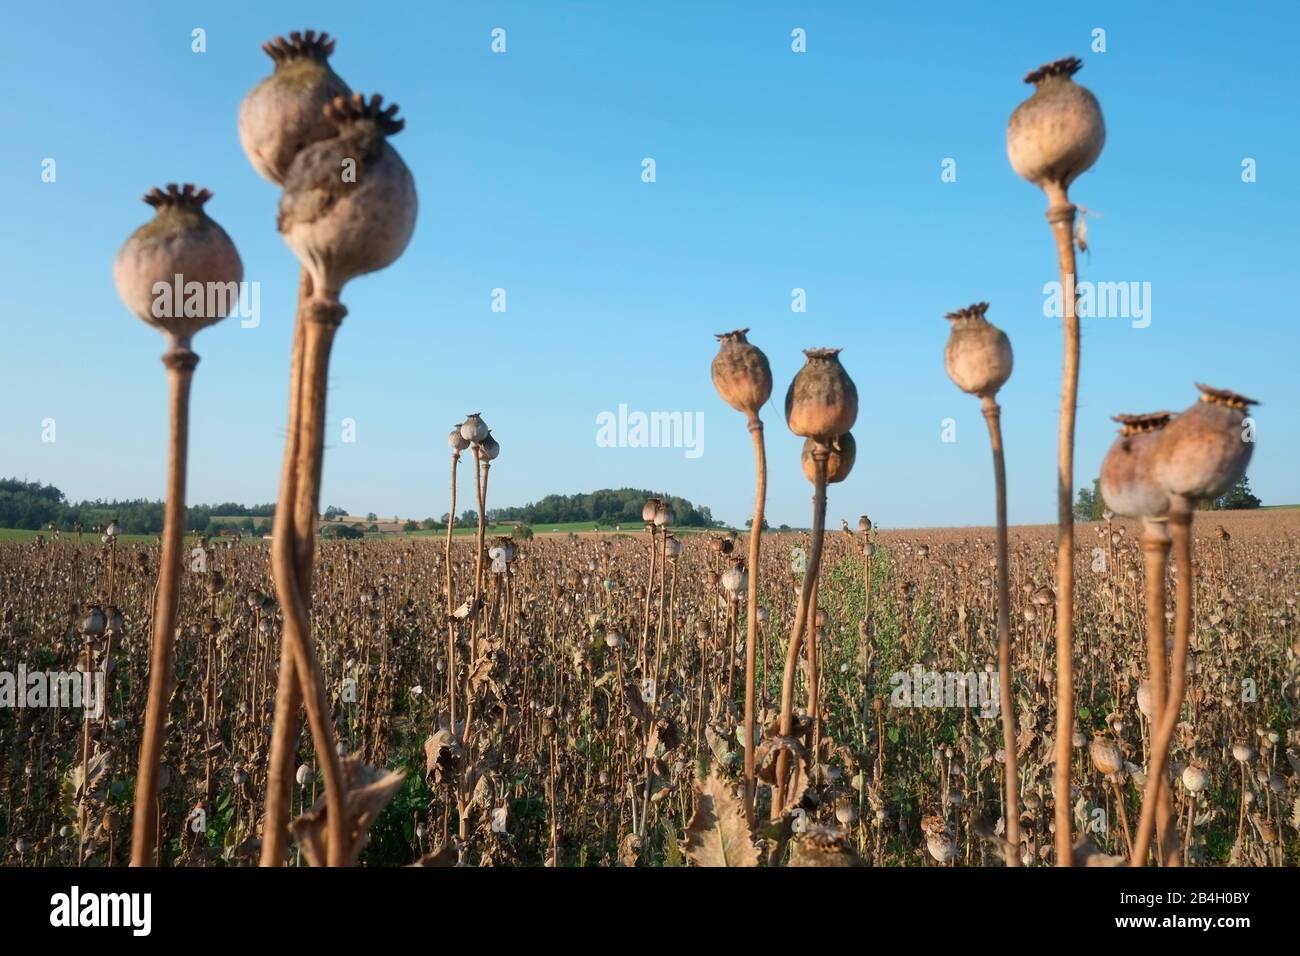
(33, 506)
(606, 506)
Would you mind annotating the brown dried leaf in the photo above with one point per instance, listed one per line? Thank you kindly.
(719, 834)
(368, 791)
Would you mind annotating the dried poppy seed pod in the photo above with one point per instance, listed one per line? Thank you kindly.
(1106, 757)
(1195, 778)
(1128, 482)
(284, 113)
(1058, 132)
(473, 428)
(733, 580)
(1144, 702)
(457, 441)
(864, 524)
(822, 401)
(92, 625)
(978, 354)
(179, 272)
(349, 203)
(674, 547)
(741, 373)
(488, 448)
(841, 453)
(648, 510)
(665, 516)
(1205, 450)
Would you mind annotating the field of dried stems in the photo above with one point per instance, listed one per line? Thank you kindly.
(564, 769)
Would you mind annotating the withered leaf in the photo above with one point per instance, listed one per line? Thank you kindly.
(719, 834)
(368, 790)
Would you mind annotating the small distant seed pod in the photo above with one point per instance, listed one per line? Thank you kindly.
(864, 524)
(1058, 132)
(305, 776)
(674, 547)
(614, 640)
(822, 401)
(839, 462)
(1144, 701)
(978, 354)
(733, 581)
(741, 373)
(1195, 778)
(488, 448)
(845, 811)
(762, 615)
(1242, 752)
(473, 428)
(349, 203)
(457, 441)
(665, 516)
(92, 625)
(648, 510)
(1128, 481)
(284, 113)
(1204, 450)
(179, 272)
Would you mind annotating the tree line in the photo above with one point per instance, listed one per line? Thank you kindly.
(33, 506)
(608, 506)
(1089, 505)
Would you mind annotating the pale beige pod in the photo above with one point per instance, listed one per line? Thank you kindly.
(978, 354)
(1058, 132)
(179, 272)
(284, 113)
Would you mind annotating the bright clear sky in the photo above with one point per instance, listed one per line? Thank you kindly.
(775, 170)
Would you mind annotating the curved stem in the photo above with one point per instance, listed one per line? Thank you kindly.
(288, 696)
(993, 415)
(180, 362)
(1061, 216)
(820, 453)
(751, 609)
(291, 555)
(1155, 549)
(1180, 526)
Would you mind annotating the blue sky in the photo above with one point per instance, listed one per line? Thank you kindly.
(775, 171)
